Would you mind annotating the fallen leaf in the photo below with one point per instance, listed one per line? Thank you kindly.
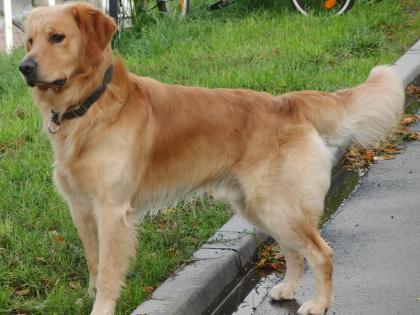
(40, 259)
(391, 150)
(413, 90)
(59, 239)
(409, 119)
(270, 258)
(261, 263)
(22, 292)
(384, 157)
(148, 289)
(172, 251)
(277, 265)
(75, 285)
(368, 155)
(415, 136)
(46, 282)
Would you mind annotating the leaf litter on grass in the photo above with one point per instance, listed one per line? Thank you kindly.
(270, 258)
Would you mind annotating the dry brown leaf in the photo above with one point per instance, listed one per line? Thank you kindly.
(368, 155)
(391, 150)
(415, 136)
(413, 90)
(148, 289)
(384, 157)
(40, 259)
(409, 119)
(277, 265)
(46, 282)
(59, 239)
(172, 251)
(270, 258)
(22, 292)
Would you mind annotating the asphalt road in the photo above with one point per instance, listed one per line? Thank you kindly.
(375, 235)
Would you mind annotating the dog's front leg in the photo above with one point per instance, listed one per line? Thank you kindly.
(85, 222)
(117, 244)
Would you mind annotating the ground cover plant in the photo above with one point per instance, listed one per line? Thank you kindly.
(258, 44)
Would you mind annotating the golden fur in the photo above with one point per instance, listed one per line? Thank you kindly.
(145, 143)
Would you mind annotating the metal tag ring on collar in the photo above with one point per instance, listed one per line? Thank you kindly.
(51, 129)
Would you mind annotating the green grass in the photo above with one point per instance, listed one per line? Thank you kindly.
(258, 44)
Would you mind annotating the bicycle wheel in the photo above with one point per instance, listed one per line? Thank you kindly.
(174, 7)
(323, 6)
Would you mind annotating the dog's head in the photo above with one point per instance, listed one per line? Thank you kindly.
(63, 42)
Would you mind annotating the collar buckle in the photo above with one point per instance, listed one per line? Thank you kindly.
(54, 119)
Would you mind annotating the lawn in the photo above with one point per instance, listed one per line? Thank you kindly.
(257, 44)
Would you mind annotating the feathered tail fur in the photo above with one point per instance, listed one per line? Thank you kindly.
(364, 113)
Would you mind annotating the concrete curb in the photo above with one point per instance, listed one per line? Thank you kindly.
(223, 258)
(408, 66)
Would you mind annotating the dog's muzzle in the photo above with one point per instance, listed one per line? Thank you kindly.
(29, 69)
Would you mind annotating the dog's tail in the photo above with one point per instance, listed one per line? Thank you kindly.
(363, 113)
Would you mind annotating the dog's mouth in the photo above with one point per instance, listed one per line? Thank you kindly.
(56, 85)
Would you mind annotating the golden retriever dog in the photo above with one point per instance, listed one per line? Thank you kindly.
(124, 145)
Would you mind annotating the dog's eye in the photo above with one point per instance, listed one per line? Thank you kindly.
(57, 38)
(30, 41)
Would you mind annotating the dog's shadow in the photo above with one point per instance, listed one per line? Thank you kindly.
(289, 307)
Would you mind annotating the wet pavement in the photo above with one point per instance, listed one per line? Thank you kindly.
(375, 235)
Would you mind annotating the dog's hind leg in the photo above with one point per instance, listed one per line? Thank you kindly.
(299, 237)
(117, 244)
(284, 196)
(320, 258)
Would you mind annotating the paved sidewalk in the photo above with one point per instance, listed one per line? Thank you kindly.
(376, 238)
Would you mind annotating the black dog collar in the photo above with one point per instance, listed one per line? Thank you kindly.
(79, 110)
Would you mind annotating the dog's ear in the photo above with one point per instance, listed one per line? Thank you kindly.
(95, 27)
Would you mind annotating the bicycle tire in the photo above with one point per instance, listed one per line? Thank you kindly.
(174, 7)
(319, 6)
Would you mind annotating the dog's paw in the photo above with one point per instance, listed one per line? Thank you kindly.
(282, 291)
(312, 307)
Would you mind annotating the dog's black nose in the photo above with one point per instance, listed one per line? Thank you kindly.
(28, 66)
